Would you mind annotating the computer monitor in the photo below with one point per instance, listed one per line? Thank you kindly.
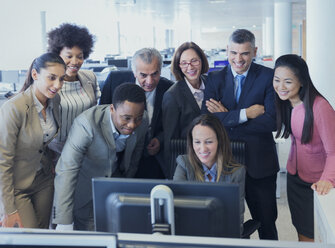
(200, 209)
(118, 62)
(31, 238)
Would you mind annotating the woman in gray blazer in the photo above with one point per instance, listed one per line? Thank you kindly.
(29, 121)
(80, 91)
(209, 157)
(182, 102)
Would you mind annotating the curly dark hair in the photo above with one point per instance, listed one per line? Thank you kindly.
(70, 35)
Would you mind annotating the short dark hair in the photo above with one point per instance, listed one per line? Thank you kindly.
(175, 68)
(241, 36)
(42, 62)
(307, 94)
(70, 35)
(128, 92)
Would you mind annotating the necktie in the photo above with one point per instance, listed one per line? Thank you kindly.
(240, 81)
(199, 96)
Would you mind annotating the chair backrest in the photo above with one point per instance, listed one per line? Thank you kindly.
(114, 79)
(178, 147)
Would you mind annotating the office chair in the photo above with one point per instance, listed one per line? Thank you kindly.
(114, 79)
(178, 147)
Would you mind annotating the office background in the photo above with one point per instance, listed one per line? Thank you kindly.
(123, 26)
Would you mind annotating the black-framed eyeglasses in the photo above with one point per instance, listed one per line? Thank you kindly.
(194, 62)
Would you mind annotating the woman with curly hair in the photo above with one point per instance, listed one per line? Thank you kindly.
(209, 157)
(80, 91)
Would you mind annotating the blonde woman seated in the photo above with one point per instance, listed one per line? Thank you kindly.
(209, 157)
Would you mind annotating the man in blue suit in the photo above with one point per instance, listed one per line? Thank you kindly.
(242, 96)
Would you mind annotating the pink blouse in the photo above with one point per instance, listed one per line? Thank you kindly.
(316, 160)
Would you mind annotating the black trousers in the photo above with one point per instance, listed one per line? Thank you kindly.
(260, 195)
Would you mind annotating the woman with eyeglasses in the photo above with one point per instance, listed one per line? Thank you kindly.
(182, 102)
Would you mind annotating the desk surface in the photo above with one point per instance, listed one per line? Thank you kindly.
(324, 216)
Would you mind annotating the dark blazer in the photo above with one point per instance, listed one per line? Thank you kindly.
(185, 172)
(179, 109)
(261, 154)
(156, 126)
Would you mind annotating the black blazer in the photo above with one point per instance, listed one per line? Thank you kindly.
(179, 109)
(156, 127)
(261, 154)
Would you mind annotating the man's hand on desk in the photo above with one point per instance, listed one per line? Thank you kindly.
(214, 106)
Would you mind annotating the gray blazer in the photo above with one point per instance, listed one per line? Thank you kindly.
(21, 146)
(90, 152)
(185, 172)
(89, 82)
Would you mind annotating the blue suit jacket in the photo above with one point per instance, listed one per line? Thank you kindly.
(261, 154)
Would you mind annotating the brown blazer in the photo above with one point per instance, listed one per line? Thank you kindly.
(21, 146)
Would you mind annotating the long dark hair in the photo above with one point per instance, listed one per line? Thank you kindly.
(39, 63)
(224, 157)
(307, 94)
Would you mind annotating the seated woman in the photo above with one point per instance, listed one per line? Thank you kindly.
(80, 91)
(209, 157)
(29, 121)
(182, 102)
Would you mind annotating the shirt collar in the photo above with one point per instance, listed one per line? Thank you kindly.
(147, 93)
(211, 171)
(116, 133)
(244, 74)
(193, 90)
(39, 106)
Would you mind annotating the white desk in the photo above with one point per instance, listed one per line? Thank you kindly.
(324, 217)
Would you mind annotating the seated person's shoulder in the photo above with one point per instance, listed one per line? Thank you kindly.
(165, 82)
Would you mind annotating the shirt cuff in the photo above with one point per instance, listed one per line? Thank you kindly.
(61, 227)
(243, 116)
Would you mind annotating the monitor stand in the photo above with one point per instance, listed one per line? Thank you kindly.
(162, 210)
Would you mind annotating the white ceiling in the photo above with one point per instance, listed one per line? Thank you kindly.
(207, 14)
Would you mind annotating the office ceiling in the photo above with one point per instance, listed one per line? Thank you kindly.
(210, 15)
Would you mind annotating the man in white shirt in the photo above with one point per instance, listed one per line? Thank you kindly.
(146, 66)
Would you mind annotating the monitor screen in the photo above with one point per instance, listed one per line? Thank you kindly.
(200, 209)
(118, 62)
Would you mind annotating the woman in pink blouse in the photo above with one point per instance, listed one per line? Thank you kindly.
(306, 115)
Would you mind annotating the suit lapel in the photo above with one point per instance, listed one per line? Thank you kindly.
(157, 106)
(130, 146)
(87, 85)
(186, 92)
(106, 129)
(227, 91)
(55, 110)
(32, 116)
